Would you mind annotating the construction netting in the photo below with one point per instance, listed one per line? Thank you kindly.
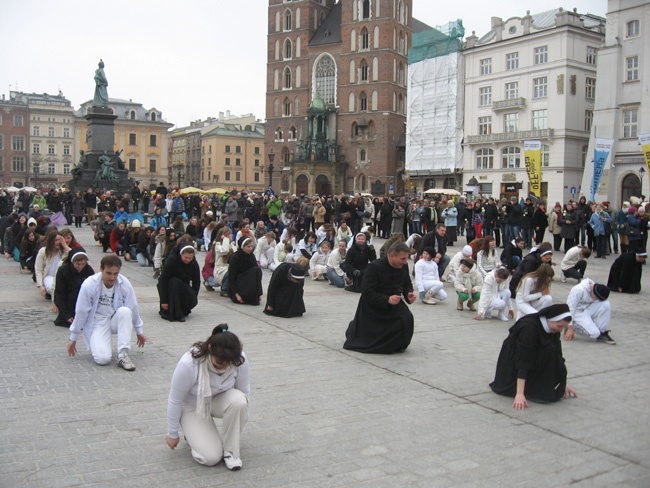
(432, 43)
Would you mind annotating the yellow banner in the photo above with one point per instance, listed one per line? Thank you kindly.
(644, 140)
(533, 158)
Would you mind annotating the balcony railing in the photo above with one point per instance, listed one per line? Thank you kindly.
(523, 135)
(508, 104)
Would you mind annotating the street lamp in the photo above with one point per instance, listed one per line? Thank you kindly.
(36, 171)
(270, 167)
(641, 174)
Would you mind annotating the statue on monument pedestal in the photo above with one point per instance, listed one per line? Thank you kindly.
(120, 161)
(82, 164)
(101, 92)
(106, 171)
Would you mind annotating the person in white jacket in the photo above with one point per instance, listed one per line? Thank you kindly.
(591, 312)
(486, 258)
(574, 263)
(495, 295)
(211, 380)
(48, 259)
(107, 305)
(468, 284)
(318, 261)
(282, 253)
(427, 279)
(534, 291)
(223, 249)
(334, 272)
(453, 268)
(265, 249)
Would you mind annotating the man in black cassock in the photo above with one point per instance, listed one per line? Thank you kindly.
(284, 297)
(383, 323)
(625, 273)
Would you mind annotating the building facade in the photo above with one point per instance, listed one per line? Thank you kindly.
(623, 74)
(14, 143)
(336, 95)
(530, 78)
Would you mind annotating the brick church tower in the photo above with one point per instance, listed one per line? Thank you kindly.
(336, 95)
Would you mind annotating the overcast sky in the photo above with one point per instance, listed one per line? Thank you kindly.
(189, 59)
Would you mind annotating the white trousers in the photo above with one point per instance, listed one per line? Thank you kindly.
(121, 323)
(594, 320)
(48, 283)
(499, 303)
(434, 289)
(527, 308)
(319, 271)
(205, 441)
(266, 258)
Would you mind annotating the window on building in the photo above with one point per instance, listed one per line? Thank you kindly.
(2, 141)
(36, 168)
(485, 96)
(511, 122)
(66, 132)
(632, 68)
(50, 132)
(287, 49)
(256, 177)
(363, 71)
(540, 87)
(546, 152)
(227, 148)
(287, 78)
(153, 166)
(132, 139)
(296, 106)
(363, 102)
(362, 155)
(238, 149)
(237, 161)
(153, 140)
(17, 143)
(592, 55)
(227, 175)
(485, 125)
(401, 78)
(630, 123)
(132, 115)
(227, 161)
(512, 61)
(292, 133)
(365, 39)
(36, 131)
(365, 11)
(287, 20)
(287, 107)
(18, 164)
(51, 168)
(66, 169)
(66, 150)
(325, 78)
(540, 119)
(512, 90)
(36, 149)
(590, 88)
(589, 119)
(257, 163)
(278, 135)
(541, 55)
(400, 43)
(153, 116)
(632, 28)
(510, 157)
(132, 165)
(485, 159)
(486, 66)
(1, 166)
(18, 120)
(237, 175)
(257, 150)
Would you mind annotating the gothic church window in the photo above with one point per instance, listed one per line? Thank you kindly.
(325, 78)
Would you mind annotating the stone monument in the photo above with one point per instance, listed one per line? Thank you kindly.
(100, 166)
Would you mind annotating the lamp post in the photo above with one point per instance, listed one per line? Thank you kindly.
(270, 167)
(641, 177)
(36, 171)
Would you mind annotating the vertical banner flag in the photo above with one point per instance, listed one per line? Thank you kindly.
(644, 140)
(602, 148)
(533, 158)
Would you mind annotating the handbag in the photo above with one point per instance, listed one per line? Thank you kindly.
(346, 216)
(631, 231)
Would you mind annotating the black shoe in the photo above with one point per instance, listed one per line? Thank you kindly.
(164, 316)
(605, 338)
(180, 319)
(48, 296)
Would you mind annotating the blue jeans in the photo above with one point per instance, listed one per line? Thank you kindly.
(514, 232)
(336, 280)
(527, 234)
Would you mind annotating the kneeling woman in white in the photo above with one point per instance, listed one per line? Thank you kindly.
(210, 380)
(495, 295)
(427, 279)
(265, 250)
(534, 291)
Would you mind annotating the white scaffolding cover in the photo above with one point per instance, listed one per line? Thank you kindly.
(434, 126)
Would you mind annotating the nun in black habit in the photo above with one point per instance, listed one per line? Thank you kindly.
(179, 282)
(69, 278)
(625, 273)
(383, 323)
(531, 365)
(284, 296)
(245, 275)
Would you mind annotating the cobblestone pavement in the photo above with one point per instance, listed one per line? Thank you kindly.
(322, 416)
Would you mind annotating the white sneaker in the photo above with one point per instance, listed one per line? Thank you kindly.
(502, 316)
(563, 278)
(126, 363)
(232, 463)
(429, 301)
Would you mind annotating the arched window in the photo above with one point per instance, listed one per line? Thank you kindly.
(365, 13)
(132, 114)
(278, 134)
(400, 43)
(287, 107)
(353, 71)
(351, 102)
(353, 40)
(354, 129)
(292, 133)
(376, 36)
(286, 155)
(363, 102)
(374, 101)
(277, 49)
(371, 129)
(364, 42)
(362, 155)
(400, 104)
(485, 159)
(510, 157)
(287, 49)
(276, 79)
(400, 11)
(375, 69)
(363, 182)
(285, 183)
(153, 116)
(400, 75)
(287, 78)
(631, 186)
(325, 78)
(287, 20)
(296, 106)
(363, 71)
(276, 108)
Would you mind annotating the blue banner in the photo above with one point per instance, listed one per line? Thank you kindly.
(602, 148)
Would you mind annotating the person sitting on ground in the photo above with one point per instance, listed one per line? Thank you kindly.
(530, 364)
(468, 285)
(513, 253)
(207, 271)
(495, 295)
(29, 248)
(574, 263)
(70, 239)
(244, 275)
(307, 245)
(265, 249)
(211, 380)
(318, 262)
(118, 240)
(413, 242)
(284, 295)
(260, 230)
(69, 278)
(356, 261)
(383, 324)
(164, 244)
(107, 306)
(282, 253)
(246, 232)
(335, 273)
(533, 260)
(105, 229)
(49, 257)
(427, 280)
(142, 248)
(454, 264)
(486, 258)
(625, 273)
(534, 291)
(591, 312)
(344, 233)
(223, 249)
(179, 282)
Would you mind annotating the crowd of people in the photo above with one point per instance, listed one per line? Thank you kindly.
(332, 240)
